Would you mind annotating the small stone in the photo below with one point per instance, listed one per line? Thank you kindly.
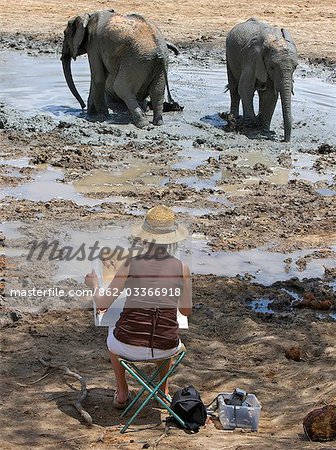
(15, 316)
(320, 424)
(293, 353)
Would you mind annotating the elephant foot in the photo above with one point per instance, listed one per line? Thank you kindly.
(142, 123)
(158, 121)
(139, 119)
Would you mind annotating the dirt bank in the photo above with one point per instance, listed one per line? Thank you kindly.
(228, 346)
(310, 22)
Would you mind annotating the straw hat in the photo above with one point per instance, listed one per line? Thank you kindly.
(160, 227)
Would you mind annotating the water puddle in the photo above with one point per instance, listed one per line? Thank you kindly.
(48, 185)
(220, 199)
(192, 212)
(295, 296)
(192, 157)
(11, 230)
(137, 176)
(264, 266)
(200, 183)
(17, 163)
(262, 305)
(326, 192)
(303, 170)
(327, 316)
(266, 168)
(14, 252)
(44, 88)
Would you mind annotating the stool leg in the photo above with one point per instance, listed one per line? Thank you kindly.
(153, 393)
(141, 374)
(151, 378)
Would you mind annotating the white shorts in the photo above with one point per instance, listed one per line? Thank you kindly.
(135, 352)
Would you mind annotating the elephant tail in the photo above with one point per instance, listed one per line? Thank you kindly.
(170, 98)
(227, 88)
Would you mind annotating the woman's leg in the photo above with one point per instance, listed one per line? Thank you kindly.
(122, 387)
(163, 371)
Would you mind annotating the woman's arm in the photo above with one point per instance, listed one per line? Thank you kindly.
(115, 288)
(185, 303)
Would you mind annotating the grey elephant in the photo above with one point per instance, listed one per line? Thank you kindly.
(128, 60)
(261, 58)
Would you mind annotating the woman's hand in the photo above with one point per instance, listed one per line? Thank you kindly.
(91, 280)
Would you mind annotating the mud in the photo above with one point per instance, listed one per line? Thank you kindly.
(262, 218)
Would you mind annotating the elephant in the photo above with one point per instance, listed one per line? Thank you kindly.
(261, 58)
(128, 59)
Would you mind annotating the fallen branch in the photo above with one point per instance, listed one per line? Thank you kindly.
(83, 393)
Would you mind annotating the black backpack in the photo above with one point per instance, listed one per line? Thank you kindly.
(187, 404)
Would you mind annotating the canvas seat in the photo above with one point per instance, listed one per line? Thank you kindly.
(148, 384)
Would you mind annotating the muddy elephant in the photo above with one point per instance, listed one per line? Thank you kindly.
(128, 60)
(261, 58)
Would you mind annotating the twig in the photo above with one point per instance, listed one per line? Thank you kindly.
(160, 438)
(83, 393)
(48, 372)
(67, 440)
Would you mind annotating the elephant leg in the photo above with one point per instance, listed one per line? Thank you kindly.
(234, 94)
(97, 88)
(126, 91)
(91, 109)
(156, 91)
(267, 103)
(246, 92)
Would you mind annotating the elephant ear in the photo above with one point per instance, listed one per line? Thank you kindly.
(260, 71)
(78, 30)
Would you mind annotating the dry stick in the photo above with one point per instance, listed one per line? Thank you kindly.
(48, 372)
(160, 438)
(83, 394)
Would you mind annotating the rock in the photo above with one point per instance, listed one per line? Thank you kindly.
(324, 149)
(293, 353)
(320, 424)
(311, 302)
(15, 316)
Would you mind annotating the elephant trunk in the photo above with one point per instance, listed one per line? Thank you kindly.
(285, 95)
(66, 64)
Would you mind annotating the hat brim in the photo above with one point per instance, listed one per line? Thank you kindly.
(170, 237)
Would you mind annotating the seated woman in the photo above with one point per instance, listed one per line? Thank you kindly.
(156, 284)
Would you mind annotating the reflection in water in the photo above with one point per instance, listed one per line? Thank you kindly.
(265, 266)
(48, 185)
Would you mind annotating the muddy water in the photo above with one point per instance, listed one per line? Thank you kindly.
(260, 265)
(114, 181)
(34, 84)
(48, 185)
